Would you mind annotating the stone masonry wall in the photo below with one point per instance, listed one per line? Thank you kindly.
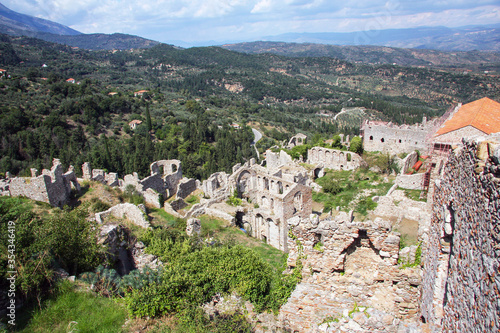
(455, 137)
(52, 186)
(351, 282)
(334, 159)
(461, 281)
(394, 139)
(411, 182)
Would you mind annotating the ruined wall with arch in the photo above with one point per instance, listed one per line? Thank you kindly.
(275, 200)
(334, 159)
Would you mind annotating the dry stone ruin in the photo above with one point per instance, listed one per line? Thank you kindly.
(353, 279)
(52, 186)
(334, 159)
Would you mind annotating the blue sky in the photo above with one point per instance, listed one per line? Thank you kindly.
(194, 21)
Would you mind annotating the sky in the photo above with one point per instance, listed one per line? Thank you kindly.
(221, 21)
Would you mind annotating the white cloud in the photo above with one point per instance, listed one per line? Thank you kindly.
(250, 19)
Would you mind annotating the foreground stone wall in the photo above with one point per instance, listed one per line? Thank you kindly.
(351, 281)
(411, 182)
(461, 282)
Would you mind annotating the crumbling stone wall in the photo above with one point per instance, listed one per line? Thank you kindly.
(351, 282)
(185, 187)
(324, 244)
(99, 175)
(133, 213)
(334, 159)
(394, 139)
(407, 163)
(461, 281)
(297, 140)
(52, 186)
(275, 160)
(215, 185)
(277, 200)
(411, 182)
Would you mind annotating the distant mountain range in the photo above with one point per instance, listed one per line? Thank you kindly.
(371, 54)
(16, 24)
(485, 38)
(469, 38)
(13, 23)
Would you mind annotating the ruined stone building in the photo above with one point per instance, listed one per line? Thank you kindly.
(52, 186)
(475, 119)
(297, 140)
(351, 282)
(165, 181)
(278, 192)
(277, 201)
(333, 159)
(395, 139)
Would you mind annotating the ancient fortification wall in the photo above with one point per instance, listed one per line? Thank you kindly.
(394, 139)
(461, 281)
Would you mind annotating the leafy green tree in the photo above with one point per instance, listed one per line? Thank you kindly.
(148, 118)
(356, 145)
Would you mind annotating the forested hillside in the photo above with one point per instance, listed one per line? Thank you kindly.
(192, 98)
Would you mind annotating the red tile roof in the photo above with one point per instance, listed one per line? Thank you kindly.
(483, 114)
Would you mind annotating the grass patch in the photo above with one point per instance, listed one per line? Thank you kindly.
(414, 194)
(191, 200)
(212, 227)
(161, 217)
(340, 188)
(77, 311)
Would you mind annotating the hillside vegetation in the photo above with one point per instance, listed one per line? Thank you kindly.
(192, 97)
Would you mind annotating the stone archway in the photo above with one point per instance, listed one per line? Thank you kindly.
(244, 184)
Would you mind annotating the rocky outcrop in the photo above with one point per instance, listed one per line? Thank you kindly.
(193, 227)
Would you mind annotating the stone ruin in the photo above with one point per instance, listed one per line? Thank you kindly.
(396, 139)
(52, 186)
(278, 192)
(334, 159)
(351, 281)
(193, 227)
(297, 140)
(165, 181)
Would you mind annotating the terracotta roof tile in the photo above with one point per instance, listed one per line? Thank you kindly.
(483, 114)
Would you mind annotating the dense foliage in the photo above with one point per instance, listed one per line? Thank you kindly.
(192, 97)
(196, 271)
(63, 239)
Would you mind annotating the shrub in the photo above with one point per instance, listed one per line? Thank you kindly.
(45, 243)
(105, 281)
(331, 186)
(197, 271)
